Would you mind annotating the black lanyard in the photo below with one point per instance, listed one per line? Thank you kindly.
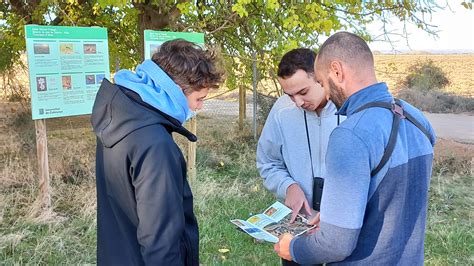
(309, 143)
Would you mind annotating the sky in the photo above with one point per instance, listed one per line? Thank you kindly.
(456, 32)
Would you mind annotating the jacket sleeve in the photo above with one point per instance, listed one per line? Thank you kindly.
(344, 201)
(158, 183)
(270, 162)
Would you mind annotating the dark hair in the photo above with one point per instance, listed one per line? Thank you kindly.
(190, 66)
(347, 47)
(300, 58)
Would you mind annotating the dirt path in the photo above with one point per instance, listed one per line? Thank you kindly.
(459, 127)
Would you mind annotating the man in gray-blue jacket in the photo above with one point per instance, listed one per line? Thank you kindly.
(371, 213)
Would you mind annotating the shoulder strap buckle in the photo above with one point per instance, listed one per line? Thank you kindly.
(398, 110)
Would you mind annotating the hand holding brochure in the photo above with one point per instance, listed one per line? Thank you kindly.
(272, 223)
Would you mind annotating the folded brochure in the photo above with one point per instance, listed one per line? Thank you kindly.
(272, 223)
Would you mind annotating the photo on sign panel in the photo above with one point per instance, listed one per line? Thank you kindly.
(66, 48)
(99, 78)
(41, 48)
(41, 84)
(90, 79)
(66, 81)
(90, 48)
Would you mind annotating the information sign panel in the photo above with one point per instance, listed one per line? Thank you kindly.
(66, 68)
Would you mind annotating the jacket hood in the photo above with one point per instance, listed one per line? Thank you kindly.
(117, 112)
(155, 88)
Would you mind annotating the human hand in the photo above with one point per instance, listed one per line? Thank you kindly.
(296, 200)
(282, 248)
(315, 218)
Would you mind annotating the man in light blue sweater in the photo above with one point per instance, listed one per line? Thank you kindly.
(303, 113)
(367, 217)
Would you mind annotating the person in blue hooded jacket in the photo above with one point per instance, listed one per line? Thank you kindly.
(373, 208)
(144, 202)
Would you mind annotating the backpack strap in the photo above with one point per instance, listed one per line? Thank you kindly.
(417, 124)
(398, 114)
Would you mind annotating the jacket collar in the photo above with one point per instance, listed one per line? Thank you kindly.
(328, 110)
(377, 92)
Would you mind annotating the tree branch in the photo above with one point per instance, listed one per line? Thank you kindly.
(363, 14)
(25, 10)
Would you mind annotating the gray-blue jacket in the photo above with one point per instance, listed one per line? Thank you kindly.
(377, 220)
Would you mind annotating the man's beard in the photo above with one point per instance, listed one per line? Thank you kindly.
(336, 94)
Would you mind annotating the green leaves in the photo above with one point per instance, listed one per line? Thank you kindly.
(116, 3)
(186, 7)
(467, 5)
(240, 9)
(272, 4)
(238, 28)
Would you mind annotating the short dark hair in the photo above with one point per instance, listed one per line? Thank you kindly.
(300, 58)
(347, 47)
(189, 65)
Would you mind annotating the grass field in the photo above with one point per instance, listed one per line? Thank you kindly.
(459, 69)
(227, 187)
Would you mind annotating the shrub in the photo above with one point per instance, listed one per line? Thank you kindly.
(436, 101)
(452, 157)
(425, 75)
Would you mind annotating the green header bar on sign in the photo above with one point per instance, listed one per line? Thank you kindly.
(62, 32)
(162, 36)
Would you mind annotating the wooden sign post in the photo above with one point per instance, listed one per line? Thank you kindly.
(43, 166)
(191, 160)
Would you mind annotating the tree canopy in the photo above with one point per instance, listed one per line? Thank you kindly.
(237, 28)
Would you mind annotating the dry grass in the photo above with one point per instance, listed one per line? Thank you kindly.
(436, 101)
(459, 69)
(452, 158)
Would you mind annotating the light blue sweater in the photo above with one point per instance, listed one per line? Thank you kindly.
(282, 152)
(368, 220)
